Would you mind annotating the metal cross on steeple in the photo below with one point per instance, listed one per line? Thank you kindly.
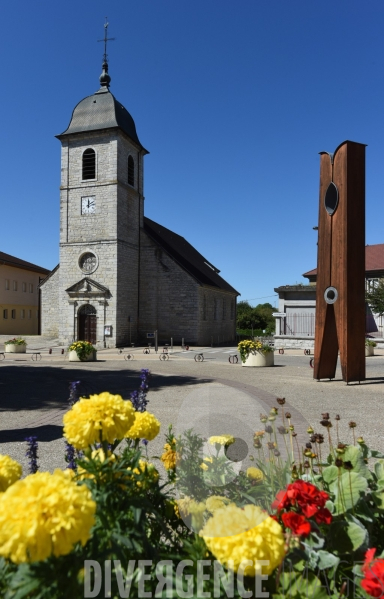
(104, 78)
(106, 39)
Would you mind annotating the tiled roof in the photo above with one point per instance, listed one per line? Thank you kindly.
(9, 260)
(186, 256)
(374, 259)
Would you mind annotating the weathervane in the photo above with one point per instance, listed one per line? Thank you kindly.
(105, 78)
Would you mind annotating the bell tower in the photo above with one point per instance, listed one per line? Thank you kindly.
(101, 214)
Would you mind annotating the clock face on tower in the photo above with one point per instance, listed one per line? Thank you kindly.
(88, 205)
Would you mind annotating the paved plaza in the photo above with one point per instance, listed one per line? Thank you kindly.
(211, 396)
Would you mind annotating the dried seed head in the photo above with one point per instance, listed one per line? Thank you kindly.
(291, 427)
(271, 445)
(313, 456)
(307, 453)
(360, 440)
(313, 438)
(319, 438)
(288, 415)
(294, 434)
(269, 429)
(326, 423)
(337, 417)
(274, 410)
(256, 443)
(352, 424)
(348, 465)
(282, 430)
(306, 464)
(310, 430)
(325, 416)
(263, 418)
(277, 453)
(280, 400)
(259, 434)
(272, 418)
(308, 445)
(341, 446)
(251, 457)
(338, 462)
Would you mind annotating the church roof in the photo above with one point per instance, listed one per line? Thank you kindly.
(187, 256)
(9, 260)
(101, 111)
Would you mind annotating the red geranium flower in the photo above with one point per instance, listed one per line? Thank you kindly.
(373, 581)
(300, 494)
(297, 523)
(323, 516)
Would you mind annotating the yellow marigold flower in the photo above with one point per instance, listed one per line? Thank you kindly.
(208, 459)
(150, 472)
(169, 457)
(236, 534)
(10, 472)
(44, 514)
(203, 466)
(103, 417)
(146, 426)
(215, 502)
(255, 474)
(97, 454)
(222, 440)
(183, 506)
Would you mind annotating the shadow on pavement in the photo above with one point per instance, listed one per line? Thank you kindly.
(43, 387)
(48, 432)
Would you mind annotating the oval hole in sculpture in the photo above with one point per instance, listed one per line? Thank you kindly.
(331, 198)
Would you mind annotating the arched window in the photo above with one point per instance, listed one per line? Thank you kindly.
(131, 171)
(89, 164)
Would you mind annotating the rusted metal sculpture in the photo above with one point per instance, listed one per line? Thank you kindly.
(340, 291)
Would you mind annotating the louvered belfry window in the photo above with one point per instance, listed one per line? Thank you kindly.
(131, 171)
(89, 164)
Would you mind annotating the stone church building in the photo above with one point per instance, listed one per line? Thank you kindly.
(122, 276)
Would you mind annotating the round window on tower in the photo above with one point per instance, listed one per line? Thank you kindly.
(88, 262)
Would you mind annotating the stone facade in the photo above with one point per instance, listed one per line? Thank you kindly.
(109, 265)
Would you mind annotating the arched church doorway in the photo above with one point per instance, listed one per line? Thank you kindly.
(87, 324)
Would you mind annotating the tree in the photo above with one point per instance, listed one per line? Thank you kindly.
(375, 298)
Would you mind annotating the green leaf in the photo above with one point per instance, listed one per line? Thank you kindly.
(330, 474)
(355, 455)
(357, 534)
(330, 506)
(347, 490)
(327, 560)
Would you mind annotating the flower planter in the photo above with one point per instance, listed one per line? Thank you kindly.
(258, 359)
(369, 350)
(73, 357)
(13, 348)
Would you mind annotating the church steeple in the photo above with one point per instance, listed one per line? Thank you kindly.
(105, 78)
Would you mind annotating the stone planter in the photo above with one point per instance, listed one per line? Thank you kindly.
(11, 348)
(258, 359)
(73, 357)
(369, 350)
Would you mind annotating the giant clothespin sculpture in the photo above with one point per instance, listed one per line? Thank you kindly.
(340, 287)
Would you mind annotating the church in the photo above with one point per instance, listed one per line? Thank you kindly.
(121, 275)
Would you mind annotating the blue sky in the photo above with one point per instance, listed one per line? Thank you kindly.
(234, 101)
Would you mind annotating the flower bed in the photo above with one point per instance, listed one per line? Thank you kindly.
(309, 521)
(81, 351)
(17, 345)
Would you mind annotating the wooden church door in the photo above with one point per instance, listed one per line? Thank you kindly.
(87, 324)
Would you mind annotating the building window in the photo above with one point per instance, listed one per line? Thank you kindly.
(223, 309)
(131, 171)
(205, 307)
(30, 287)
(7, 284)
(29, 313)
(14, 285)
(5, 313)
(13, 314)
(22, 313)
(215, 309)
(371, 284)
(89, 164)
(232, 309)
(24, 286)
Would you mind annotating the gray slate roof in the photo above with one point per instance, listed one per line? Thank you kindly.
(101, 111)
(187, 256)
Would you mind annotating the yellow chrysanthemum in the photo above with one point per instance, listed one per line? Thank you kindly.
(146, 426)
(97, 454)
(103, 417)
(44, 514)
(215, 502)
(255, 474)
(222, 440)
(203, 466)
(10, 472)
(236, 534)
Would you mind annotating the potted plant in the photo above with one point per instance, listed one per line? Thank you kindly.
(369, 347)
(81, 351)
(255, 353)
(17, 345)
